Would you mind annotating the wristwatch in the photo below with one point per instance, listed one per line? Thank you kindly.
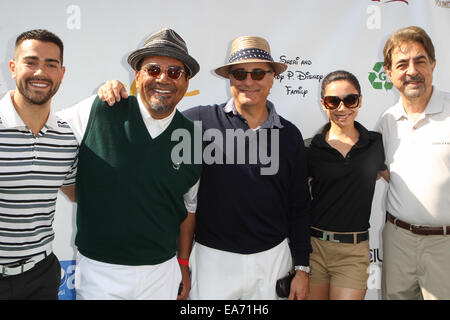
(306, 269)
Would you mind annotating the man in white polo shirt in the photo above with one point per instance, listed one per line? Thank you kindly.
(37, 158)
(416, 136)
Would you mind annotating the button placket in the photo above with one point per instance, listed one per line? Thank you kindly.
(35, 141)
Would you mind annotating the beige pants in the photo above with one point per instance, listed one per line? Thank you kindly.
(415, 266)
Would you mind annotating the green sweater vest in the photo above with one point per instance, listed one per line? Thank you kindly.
(129, 193)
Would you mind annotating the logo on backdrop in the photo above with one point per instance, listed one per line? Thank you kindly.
(373, 21)
(378, 78)
(298, 78)
(374, 270)
(443, 4)
(375, 256)
(67, 286)
(387, 1)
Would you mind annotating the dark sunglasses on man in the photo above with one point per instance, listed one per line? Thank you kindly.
(155, 70)
(256, 74)
(333, 102)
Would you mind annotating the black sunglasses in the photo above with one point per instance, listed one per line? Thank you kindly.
(154, 70)
(333, 102)
(256, 74)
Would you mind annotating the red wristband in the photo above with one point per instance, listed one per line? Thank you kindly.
(183, 262)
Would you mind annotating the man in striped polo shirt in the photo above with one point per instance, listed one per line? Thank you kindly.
(37, 158)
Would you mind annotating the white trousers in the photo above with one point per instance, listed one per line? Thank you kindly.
(222, 275)
(95, 280)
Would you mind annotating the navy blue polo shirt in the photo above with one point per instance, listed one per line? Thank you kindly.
(241, 211)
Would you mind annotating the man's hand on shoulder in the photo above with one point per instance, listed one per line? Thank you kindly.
(112, 91)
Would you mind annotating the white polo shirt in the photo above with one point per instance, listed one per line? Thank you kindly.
(32, 169)
(418, 158)
(78, 117)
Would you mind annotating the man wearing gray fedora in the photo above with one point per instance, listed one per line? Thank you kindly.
(252, 226)
(135, 206)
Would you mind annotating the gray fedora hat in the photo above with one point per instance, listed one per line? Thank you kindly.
(167, 43)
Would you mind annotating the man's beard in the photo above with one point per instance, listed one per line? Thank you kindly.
(162, 104)
(36, 98)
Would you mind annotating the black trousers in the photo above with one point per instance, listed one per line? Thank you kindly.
(40, 283)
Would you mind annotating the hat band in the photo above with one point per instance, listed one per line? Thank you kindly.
(250, 53)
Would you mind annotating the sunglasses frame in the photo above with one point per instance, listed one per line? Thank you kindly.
(252, 74)
(147, 67)
(342, 100)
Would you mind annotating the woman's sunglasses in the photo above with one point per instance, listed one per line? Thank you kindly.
(350, 101)
(256, 74)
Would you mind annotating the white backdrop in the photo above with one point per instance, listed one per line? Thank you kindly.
(313, 36)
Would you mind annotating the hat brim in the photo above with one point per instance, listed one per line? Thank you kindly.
(223, 71)
(191, 64)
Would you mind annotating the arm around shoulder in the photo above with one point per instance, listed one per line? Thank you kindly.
(77, 116)
(112, 91)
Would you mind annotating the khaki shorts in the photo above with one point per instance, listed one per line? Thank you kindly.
(342, 265)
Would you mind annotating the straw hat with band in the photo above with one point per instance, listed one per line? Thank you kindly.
(248, 49)
(167, 43)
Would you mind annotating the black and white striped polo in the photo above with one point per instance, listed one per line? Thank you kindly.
(32, 169)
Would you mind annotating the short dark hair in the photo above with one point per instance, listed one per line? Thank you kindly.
(41, 35)
(339, 75)
(408, 34)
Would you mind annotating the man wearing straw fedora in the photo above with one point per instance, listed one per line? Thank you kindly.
(251, 228)
(245, 218)
(135, 206)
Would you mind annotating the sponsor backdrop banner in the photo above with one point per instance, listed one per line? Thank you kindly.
(312, 37)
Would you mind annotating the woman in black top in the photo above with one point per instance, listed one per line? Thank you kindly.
(344, 162)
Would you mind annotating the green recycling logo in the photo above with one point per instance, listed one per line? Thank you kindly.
(379, 79)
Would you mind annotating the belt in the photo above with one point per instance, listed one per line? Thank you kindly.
(19, 267)
(351, 237)
(417, 229)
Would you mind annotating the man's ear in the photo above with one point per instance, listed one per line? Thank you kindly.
(136, 75)
(63, 72)
(12, 68)
(388, 72)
